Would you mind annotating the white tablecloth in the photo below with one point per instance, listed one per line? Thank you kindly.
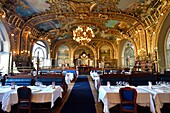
(110, 97)
(93, 75)
(161, 95)
(39, 95)
(69, 77)
(96, 77)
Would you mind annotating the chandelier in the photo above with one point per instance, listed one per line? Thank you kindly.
(83, 34)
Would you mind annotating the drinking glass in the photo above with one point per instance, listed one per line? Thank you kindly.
(126, 84)
(123, 83)
(36, 83)
(120, 83)
(163, 83)
(158, 82)
(117, 83)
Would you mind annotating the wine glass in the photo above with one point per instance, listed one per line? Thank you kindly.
(123, 83)
(158, 83)
(163, 83)
(36, 83)
(126, 84)
(117, 83)
(120, 83)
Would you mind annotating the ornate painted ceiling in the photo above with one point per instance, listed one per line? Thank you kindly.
(110, 19)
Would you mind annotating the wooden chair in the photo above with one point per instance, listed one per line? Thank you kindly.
(128, 100)
(24, 99)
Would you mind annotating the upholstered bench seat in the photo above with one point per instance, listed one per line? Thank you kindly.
(48, 81)
(19, 81)
(143, 80)
(57, 78)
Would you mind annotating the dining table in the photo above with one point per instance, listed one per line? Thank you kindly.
(40, 94)
(160, 94)
(69, 77)
(96, 78)
(109, 95)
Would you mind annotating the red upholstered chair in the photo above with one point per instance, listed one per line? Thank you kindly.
(24, 99)
(128, 100)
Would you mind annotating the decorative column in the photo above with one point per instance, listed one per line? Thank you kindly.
(38, 63)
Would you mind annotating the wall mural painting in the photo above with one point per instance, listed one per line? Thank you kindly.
(121, 25)
(63, 55)
(129, 57)
(48, 25)
(114, 24)
(104, 53)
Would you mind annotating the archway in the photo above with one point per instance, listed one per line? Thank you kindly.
(5, 55)
(128, 54)
(40, 52)
(84, 56)
(167, 51)
(161, 42)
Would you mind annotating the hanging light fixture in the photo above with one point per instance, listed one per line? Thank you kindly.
(83, 34)
(2, 13)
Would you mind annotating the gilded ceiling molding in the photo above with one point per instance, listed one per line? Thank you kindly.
(106, 6)
(94, 12)
(160, 24)
(68, 17)
(16, 21)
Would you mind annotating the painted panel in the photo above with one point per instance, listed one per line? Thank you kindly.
(105, 53)
(63, 55)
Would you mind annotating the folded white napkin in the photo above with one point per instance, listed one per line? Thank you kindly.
(150, 85)
(67, 79)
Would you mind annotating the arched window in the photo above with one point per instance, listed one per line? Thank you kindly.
(40, 52)
(1, 45)
(168, 52)
(5, 54)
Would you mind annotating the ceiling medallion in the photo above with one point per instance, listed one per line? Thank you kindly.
(83, 34)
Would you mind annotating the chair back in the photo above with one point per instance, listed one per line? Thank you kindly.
(128, 100)
(24, 94)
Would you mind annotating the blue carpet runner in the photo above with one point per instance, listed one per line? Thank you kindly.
(80, 99)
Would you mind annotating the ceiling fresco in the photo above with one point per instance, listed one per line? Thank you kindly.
(48, 25)
(111, 23)
(30, 7)
(57, 18)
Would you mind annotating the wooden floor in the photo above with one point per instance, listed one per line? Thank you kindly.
(99, 109)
